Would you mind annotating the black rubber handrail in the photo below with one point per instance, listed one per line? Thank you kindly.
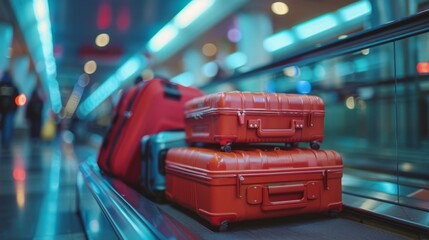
(390, 32)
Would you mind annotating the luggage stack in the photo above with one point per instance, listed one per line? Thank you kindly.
(250, 166)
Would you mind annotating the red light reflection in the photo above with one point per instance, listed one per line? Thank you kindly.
(123, 21)
(104, 16)
(19, 174)
(20, 100)
(423, 67)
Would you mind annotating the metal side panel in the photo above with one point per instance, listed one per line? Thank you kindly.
(121, 212)
(414, 218)
(94, 221)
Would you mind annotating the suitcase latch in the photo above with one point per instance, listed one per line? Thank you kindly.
(241, 117)
(240, 179)
(325, 179)
(299, 124)
(254, 123)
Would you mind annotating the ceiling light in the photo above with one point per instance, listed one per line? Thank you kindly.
(90, 67)
(102, 40)
(40, 9)
(127, 71)
(365, 51)
(191, 12)
(279, 8)
(236, 60)
(355, 10)
(278, 41)
(185, 79)
(48, 71)
(209, 49)
(162, 38)
(292, 71)
(350, 102)
(316, 25)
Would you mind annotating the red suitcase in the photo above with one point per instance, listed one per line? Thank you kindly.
(147, 108)
(246, 184)
(229, 117)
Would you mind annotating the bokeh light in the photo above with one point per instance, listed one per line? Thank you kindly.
(423, 67)
(102, 40)
(20, 100)
(234, 35)
(90, 67)
(209, 49)
(303, 87)
(279, 8)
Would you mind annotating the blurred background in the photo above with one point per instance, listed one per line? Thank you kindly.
(83, 54)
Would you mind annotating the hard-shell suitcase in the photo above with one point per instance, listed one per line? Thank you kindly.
(154, 151)
(146, 108)
(225, 187)
(243, 117)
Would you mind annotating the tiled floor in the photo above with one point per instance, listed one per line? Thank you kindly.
(38, 191)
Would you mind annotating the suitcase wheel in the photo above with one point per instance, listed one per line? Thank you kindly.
(226, 148)
(333, 213)
(315, 145)
(223, 227)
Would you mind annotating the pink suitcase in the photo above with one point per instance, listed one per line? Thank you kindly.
(225, 187)
(244, 117)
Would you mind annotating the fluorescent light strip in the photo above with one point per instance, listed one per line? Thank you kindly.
(41, 13)
(278, 41)
(182, 20)
(191, 12)
(316, 25)
(355, 10)
(185, 79)
(236, 60)
(163, 37)
(124, 73)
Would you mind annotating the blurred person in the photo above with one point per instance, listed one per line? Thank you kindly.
(34, 112)
(8, 94)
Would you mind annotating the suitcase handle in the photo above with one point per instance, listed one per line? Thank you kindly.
(273, 132)
(286, 197)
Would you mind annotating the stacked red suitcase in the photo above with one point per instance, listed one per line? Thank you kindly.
(243, 117)
(241, 182)
(246, 184)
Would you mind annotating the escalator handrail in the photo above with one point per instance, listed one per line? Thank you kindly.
(130, 221)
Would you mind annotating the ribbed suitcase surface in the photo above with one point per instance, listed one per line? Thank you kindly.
(253, 183)
(230, 117)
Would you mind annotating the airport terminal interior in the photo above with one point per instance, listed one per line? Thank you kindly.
(73, 61)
